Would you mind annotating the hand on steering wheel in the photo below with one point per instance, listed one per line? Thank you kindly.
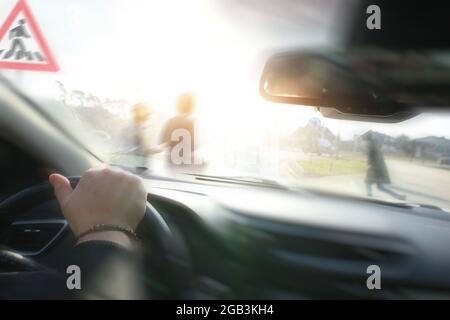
(103, 196)
(106, 196)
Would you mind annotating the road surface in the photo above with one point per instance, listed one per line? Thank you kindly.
(420, 183)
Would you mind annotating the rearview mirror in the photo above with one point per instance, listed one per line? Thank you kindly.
(371, 85)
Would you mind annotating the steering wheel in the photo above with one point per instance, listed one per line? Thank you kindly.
(158, 241)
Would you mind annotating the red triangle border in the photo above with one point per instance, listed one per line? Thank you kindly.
(51, 65)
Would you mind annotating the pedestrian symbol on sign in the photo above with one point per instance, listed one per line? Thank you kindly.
(22, 45)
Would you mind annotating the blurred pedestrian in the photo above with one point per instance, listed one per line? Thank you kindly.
(134, 139)
(178, 136)
(377, 172)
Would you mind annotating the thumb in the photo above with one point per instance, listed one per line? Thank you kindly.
(62, 188)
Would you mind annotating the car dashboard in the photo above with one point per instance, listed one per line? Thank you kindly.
(262, 243)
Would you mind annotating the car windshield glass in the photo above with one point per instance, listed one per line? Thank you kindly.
(172, 87)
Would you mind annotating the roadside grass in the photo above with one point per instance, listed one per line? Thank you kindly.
(321, 167)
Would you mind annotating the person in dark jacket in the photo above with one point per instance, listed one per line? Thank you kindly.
(377, 172)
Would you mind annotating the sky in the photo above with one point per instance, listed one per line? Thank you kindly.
(154, 50)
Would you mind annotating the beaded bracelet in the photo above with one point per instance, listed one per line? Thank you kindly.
(106, 227)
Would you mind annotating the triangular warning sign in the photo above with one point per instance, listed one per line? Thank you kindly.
(22, 46)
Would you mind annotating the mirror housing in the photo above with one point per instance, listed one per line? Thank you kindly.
(359, 84)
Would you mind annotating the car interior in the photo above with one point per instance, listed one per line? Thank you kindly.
(213, 237)
(214, 246)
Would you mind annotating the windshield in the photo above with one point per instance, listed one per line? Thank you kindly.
(172, 87)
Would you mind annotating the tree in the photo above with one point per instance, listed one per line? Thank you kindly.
(404, 144)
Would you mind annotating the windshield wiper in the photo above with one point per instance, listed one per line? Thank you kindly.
(243, 180)
(423, 205)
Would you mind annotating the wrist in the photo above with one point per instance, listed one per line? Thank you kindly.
(114, 236)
